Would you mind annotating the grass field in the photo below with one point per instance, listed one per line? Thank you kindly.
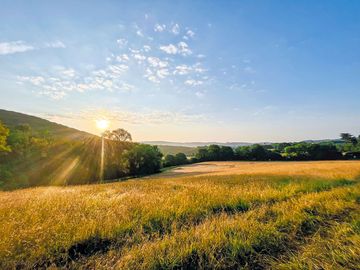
(173, 150)
(217, 215)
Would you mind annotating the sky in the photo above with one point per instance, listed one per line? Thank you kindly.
(186, 71)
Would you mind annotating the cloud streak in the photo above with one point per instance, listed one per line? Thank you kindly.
(21, 46)
(15, 47)
(152, 117)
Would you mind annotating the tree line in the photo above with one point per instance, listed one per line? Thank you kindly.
(31, 158)
(348, 147)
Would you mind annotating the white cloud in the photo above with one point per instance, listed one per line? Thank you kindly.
(69, 73)
(147, 48)
(138, 30)
(35, 80)
(183, 70)
(134, 51)
(116, 70)
(156, 70)
(175, 29)
(55, 44)
(53, 94)
(122, 58)
(200, 94)
(15, 47)
(169, 49)
(153, 78)
(190, 33)
(156, 62)
(159, 27)
(66, 81)
(122, 42)
(162, 73)
(181, 48)
(186, 69)
(193, 82)
(139, 57)
(139, 33)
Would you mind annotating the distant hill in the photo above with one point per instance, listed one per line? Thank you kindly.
(172, 150)
(231, 144)
(12, 119)
(197, 144)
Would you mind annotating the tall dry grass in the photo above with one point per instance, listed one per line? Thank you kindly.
(217, 221)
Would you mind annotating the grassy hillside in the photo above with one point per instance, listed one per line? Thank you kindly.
(54, 159)
(244, 219)
(12, 119)
(172, 150)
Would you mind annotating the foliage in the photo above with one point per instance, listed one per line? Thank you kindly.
(142, 159)
(119, 134)
(305, 151)
(175, 160)
(256, 152)
(4, 133)
(214, 152)
(37, 157)
(349, 149)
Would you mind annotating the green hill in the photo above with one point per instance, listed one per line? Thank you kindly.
(172, 150)
(12, 119)
(49, 154)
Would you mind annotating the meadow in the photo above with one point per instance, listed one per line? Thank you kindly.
(214, 215)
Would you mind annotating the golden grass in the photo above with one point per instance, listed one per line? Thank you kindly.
(330, 169)
(265, 216)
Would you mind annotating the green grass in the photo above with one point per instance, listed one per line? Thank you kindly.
(218, 222)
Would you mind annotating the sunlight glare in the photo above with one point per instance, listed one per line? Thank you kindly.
(102, 124)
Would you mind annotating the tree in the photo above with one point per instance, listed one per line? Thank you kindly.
(20, 140)
(4, 133)
(256, 152)
(202, 154)
(180, 159)
(324, 152)
(226, 153)
(119, 134)
(142, 159)
(347, 137)
(242, 152)
(312, 151)
(169, 160)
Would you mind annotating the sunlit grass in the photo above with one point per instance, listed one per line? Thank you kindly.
(216, 221)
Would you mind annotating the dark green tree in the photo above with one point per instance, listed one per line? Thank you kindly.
(226, 153)
(181, 159)
(143, 159)
(169, 160)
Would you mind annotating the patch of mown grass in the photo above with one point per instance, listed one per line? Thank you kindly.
(241, 217)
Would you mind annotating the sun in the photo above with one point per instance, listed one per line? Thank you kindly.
(102, 124)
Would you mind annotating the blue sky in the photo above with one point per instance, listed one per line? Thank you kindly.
(186, 70)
